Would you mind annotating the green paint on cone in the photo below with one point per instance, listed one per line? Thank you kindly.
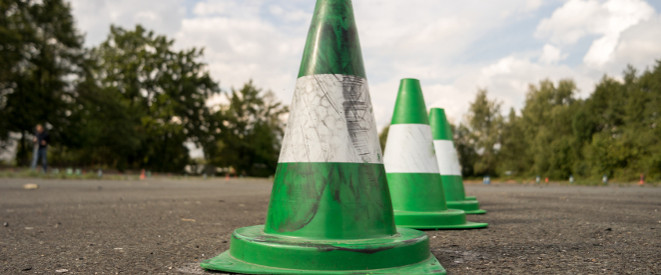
(448, 163)
(332, 46)
(330, 210)
(413, 176)
(410, 104)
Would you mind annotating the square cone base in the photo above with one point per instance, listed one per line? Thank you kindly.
(254, 252)
(447, 219)
(471, 207)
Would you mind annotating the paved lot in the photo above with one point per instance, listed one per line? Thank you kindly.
(167, 226)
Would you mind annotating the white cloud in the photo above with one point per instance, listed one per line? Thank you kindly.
(638, 46)
(577, 19)
(434, 41)
(507, 80)
(551, 55)
(95, 16)
(571, 22)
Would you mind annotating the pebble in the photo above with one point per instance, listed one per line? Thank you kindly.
(5, 224)
(62, 270)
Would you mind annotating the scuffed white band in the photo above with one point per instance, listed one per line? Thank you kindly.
(409, 149)
(331, 120)
(448, 160)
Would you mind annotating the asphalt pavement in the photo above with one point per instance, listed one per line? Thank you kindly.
(166, 226)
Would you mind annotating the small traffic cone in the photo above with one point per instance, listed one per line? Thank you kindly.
(642, 179)
(330, 210)
(411, 168)
(142, 174)
(448, 164)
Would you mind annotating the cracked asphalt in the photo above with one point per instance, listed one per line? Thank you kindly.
(166, 226)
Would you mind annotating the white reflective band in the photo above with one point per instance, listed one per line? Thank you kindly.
(331, 120)
(409, 149)
(448, 160)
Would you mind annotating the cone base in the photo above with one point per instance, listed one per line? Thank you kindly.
(469, 206)
(446, 219)
(254, 252)
(471, 198)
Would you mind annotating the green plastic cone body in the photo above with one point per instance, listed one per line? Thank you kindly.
(448, 163)
(413, 176)
(330, 210)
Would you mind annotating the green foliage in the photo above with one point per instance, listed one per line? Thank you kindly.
(613, 132)
(512, 157)
(40, 52)
(253, 127)
(139, 102)
(132, 102)
(484, 132)
(383, 137)
(463, 141)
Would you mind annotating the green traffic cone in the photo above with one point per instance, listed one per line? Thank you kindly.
(330, 210)
(448, 163)
(413, 176)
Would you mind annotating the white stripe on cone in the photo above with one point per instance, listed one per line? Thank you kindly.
(331, 120)
(448, 161)
(409, 149)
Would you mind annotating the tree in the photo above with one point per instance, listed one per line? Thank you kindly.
(41, 54)
(513, 157)
(252, 133)
(484, 125)
(465, 146)
(547, 122)
(141, 101)
(624, 136)
(383, 137)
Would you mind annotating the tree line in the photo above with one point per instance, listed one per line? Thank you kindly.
(615, 131)
(131, 102)
(135, 102)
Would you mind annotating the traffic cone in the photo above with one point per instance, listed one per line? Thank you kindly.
(448, 164)
(330, 210)
(142, 174)
(413, 175)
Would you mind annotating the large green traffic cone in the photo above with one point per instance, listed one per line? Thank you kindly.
(448, 163)
(411, 168)
(330, 210)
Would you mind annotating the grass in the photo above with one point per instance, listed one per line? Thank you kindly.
(91, 175)
(578, 182)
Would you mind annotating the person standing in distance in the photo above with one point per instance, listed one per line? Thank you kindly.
(41, 143)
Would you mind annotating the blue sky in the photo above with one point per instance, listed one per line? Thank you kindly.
(453, 47)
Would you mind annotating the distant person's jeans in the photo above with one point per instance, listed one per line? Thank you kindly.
(39, 153)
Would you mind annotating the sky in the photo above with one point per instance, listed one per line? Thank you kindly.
(453, 47)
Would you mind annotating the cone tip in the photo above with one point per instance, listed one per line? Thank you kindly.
(439, 124)
(437, 110)
(410, 105)
(408, 79)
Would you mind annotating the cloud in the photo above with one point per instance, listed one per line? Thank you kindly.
(577, 19)
(95, 16)
(242, 44)
(638, 46)
(453, 47)
(551, 55)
